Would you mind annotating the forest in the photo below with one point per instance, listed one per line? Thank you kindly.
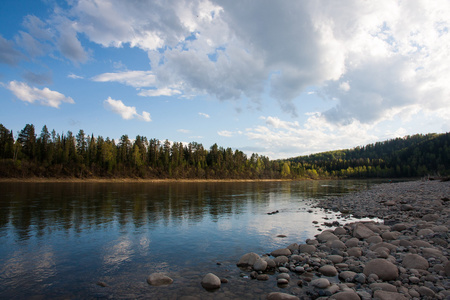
(50, 154)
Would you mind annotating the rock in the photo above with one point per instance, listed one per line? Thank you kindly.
(340, 231)
(400, 227)
(336, 244)
(158, 279)
(384, 269)
(353, 242)
(360, 278)
(326, 236)
(262, 277)
(431, 252)
(102, 284)
(328, 270)
(281, 252)
(283, 270)
(248, 259)
(430, 217)
(270, 262)
(374, 239)
(304, 248)
(383, 295)
(383, 244)
(420, 243)
(355, 251)
(415, 261)
(321, 283)
(279, 260)
(293, 247)
(281, 296)
(211, 282)
(383, 286)
(361, 231)
(335, 259)
(347, 276)
(389, 236)
(424, 232)
(282, 281)
(426, 292)
(260, 265)
(447, 268)
(347, 295)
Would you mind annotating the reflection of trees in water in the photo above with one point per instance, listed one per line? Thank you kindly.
(35, 209)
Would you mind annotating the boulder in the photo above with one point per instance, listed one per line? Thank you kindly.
(335, 259)
(384, 286)
(326, 236)
(328, 270)
(211, 282)
(347, 276)
(304, 248)
(336, 244)
(355, 251)
(281, 252)
(321, 283)
(384, 295)
(158, 279)
(384, 269)
(281, 296)
(415, 261)
(361, 231)
(260, 265)
(248, 259)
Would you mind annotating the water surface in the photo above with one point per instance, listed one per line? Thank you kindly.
(58, 240)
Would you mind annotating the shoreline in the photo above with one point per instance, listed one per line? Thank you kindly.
(127, 180)
(404, 257)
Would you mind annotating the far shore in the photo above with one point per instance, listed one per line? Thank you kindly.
(128, 180)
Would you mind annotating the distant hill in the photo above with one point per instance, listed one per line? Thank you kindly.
(411, 156)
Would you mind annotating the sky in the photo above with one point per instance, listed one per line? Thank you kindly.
(277, 78)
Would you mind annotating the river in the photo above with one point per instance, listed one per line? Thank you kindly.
(60, 240)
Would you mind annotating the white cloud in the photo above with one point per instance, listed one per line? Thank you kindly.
(183, 130)
(126, 112)
(159, 92)
(73, 76)
(135, 79)
(204, 115)
(45, 96)
(225, 133)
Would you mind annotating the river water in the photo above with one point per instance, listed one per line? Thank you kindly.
(59, 240)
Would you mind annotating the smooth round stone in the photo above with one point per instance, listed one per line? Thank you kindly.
(420, 243)
(414, 280)
(353, 242)
(347, 275)
(426, 292)
(424, 232)
(248, 259)
(305, 248)
(383, 268)
(383, 286)
(336, 244)
(354, 251)
(389, 236)
(281, 296)
(430, 217)
(440, 228)
(326, 236)
(361, 231)
(284, 276)
(283, 270)
(346, 295)
(158, 279)
(360, 278)
(415, 261)
(431, 252)
(320, 283)
(399, 227)
(281, 252)
(279, 260)
(374, 239)
(328, 270)
(282, 281)
(211, 281)
(335, 259)
(340, 231)
(262, 277)
(384, 295)
(260, 265)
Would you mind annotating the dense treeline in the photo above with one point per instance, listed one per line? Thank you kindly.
(411, 156)
(50, 154)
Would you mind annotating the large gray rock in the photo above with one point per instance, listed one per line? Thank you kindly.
(415, 261)
(321, 283)
(158, 279)
(447, 268)
(384, 286)
(361, 231)
(327, 236)
(281, 252)
(346, 295)
(384, 269)
(211, 281)
(328, 270)
(347, 276)
(248, 259)
(281, 296)
(260, 265)
(355, 251)
(305, 248)
(384, 295)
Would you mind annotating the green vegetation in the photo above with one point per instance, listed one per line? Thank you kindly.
(50, 154)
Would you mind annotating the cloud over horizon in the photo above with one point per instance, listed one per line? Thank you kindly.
(43, 96)
(126, 112)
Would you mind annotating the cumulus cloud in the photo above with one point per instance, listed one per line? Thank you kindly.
(225, 133)
(135, 79)
(126, 112)
(45, 96)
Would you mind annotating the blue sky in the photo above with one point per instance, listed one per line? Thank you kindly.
(281, 79)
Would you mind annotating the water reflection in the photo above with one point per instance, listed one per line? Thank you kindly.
(56, 237)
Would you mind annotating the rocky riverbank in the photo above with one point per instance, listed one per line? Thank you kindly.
(405, 257)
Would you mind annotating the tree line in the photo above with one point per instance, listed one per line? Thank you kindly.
(50, 154)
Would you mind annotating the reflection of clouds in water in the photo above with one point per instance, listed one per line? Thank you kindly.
(225, 224)
(118, 253)
(22, 266)
(144, 244)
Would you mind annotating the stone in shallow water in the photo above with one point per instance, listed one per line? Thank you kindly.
(248, 259)
(281, 252)
(260, 265)
(281, 296)
(361, 231)
(320, 283)
(158, 279)
(211, 281)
